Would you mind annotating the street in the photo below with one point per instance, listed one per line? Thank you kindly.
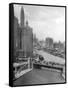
(38, 76)
(49, 57)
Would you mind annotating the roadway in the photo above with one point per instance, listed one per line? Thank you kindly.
(41, 76)
(50, 58)
(38, 76)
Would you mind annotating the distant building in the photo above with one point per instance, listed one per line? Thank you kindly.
(49, 43)
(59, 46)
(22, 18)
(42, 44)
(56, 45)
(35, 41)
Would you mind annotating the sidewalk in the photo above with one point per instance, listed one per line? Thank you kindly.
(38, 76)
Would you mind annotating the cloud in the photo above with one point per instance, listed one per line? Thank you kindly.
(45, 21)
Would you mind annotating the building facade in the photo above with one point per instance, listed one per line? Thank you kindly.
(23, 37)
(59, 46)
(49, 43)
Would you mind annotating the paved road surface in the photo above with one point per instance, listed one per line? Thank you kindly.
(50, 57)
(38, 76)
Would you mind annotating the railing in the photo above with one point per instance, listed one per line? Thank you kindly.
(37, 65)
(21, 67)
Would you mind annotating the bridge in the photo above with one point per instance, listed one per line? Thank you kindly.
(24, 67)
(37, 65)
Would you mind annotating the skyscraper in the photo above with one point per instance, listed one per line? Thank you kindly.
(22, 17)
(26, 36)
(49, 43)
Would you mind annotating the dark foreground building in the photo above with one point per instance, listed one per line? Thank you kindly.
(23, 46)
(23, 37)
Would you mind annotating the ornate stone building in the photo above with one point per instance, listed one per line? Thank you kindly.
(23, 37)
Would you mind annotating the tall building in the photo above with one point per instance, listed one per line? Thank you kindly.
(22, 17)
(23, 43)
(27, 40)
(49, 43)
(23, 36)
(59, 46)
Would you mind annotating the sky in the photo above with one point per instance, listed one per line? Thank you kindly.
(45, 21)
